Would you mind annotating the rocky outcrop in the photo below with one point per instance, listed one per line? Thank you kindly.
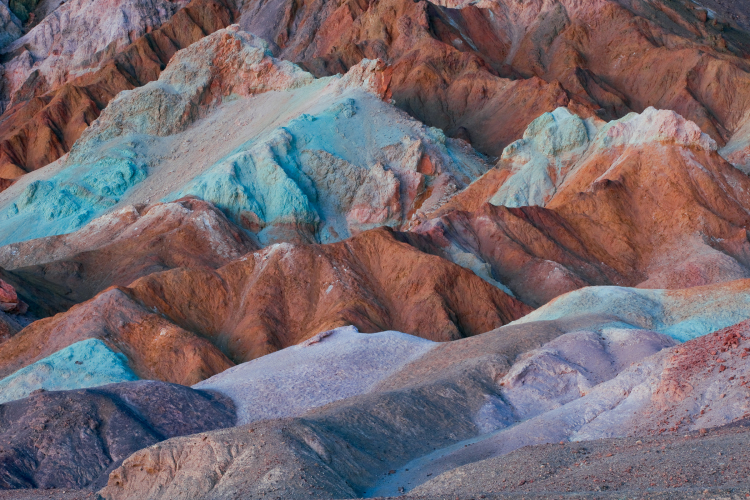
(75, 38)
(697, 385)
(458, 403)
(485, 71)
(73, 439)
(531, 252)
(9, 301)
(10, 27)
(337, 161)
(155, 347)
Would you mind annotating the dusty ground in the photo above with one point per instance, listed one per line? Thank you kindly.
(711, 465)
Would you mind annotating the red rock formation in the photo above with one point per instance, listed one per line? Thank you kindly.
(531, 250)
(156, 349)
(286, 293)
(9, 301)
(481, 74)
(121, 247)
(650, 204)
(167, 322)
(484, 73)
(36, 132)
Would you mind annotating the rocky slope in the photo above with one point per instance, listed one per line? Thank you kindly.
(135, 241)
(338, 160)
(506, 235)
(72, 439)
(460, 399)
(182, 325)
(55, 98)
(698, 385)
(643, 201)
(459, 69)
(89, 363)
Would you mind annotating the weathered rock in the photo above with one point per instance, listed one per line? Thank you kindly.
(484, 71)
(310, 173)
(45, 121)
(643, 201)
(10, 27)
(73, 439)
(76, 38)
(175, 325)
(674, 391)
(155, 347)
(9, 301)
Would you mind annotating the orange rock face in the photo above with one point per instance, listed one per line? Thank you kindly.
(36, 132)
(648, 202)
(182, 325)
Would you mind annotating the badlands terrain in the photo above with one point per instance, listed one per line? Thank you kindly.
(338, 249)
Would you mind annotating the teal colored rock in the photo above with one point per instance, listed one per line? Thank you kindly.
(88, 363)
(72, 198)
(549, 145)
(682, 317)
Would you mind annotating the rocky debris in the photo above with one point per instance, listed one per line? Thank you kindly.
(9, 301)
(73, 439)
(85, 364)
(331, 366)
(124, 245)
